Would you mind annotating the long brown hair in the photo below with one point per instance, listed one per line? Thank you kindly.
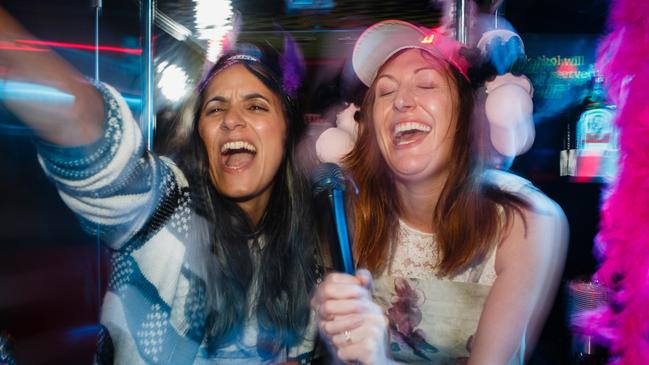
(466, 218)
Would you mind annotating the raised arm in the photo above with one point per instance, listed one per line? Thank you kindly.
(529, 264)
(72, 120)
(90, 146)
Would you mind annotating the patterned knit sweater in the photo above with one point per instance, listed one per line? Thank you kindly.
(139, 204)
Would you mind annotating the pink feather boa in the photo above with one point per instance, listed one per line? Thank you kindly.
(623, 240)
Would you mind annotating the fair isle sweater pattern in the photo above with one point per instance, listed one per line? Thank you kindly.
(140, 205)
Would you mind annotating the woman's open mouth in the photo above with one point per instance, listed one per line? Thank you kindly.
(409, 132)
(237, 155)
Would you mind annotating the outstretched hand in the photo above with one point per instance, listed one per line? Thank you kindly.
(349, 321)
(73, 118)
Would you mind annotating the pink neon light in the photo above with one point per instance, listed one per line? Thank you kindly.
(134, 51)
(7, 46)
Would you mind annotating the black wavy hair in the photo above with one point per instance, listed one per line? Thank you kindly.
(283, 239)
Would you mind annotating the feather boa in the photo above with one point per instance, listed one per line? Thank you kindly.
(622, 244)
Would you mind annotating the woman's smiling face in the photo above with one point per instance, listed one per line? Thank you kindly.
(414, 116)
(243, 127)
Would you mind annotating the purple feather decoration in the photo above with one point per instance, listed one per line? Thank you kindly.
(292, 64)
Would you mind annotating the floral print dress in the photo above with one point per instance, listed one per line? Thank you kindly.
(432, 320)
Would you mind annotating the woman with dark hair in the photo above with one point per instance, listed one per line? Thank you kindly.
(213, 254)
(466, 260)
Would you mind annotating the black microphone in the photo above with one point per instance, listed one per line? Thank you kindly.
(328, 183)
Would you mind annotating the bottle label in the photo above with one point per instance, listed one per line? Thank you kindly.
(597, 145)
(595, 132)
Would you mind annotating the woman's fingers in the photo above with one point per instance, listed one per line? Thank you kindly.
(364, 344)
(337, 291)
(365, 278)
(341, 278)
(348, 318)
(359, 337)
(339, 294)
(340, 324)
(349, 333)
(334, 308)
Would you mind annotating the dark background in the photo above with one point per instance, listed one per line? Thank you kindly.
(52, 275)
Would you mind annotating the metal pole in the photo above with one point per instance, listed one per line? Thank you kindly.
(148, 114)
(97, 5)
(461, 21)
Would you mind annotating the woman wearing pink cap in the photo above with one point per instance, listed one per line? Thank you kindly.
(465, 260)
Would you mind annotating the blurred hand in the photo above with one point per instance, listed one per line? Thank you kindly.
(75, 118)
(349, 321)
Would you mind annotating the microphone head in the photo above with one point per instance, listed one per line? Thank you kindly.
(327, 176)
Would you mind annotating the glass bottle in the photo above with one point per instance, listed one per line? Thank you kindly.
(596, 137)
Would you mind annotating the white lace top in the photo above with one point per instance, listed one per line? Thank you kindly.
(414, 256)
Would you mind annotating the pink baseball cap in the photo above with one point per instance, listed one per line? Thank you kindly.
(383, 39)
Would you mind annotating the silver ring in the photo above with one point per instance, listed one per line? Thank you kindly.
(348, 337)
